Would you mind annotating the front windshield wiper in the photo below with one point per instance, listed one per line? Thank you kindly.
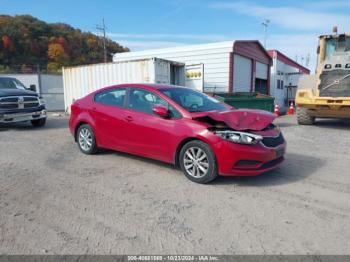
(337, 81)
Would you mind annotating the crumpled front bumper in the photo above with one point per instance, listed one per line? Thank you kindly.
(22, 116)
(247, 160)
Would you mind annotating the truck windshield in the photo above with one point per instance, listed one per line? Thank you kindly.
(193, 101)
(333, 44)
(10, 83)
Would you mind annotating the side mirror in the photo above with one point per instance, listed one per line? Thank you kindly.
(32, 88)
(160, 111)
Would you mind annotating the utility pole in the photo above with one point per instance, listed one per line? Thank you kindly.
(103, 30)
(307, 60)
(265, 24)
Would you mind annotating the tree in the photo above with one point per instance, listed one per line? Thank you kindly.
(25, 40)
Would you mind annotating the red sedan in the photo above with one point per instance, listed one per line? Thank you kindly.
(178, 125)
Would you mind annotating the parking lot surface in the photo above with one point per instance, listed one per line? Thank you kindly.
(55, 200)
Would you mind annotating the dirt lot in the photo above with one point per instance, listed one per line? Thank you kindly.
(55, 200)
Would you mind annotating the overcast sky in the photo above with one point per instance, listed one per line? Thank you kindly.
(144, 24)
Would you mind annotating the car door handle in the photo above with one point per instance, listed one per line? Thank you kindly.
(129, 118)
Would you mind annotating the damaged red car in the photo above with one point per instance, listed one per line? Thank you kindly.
(178, 125)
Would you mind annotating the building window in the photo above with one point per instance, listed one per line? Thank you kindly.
(280, 84)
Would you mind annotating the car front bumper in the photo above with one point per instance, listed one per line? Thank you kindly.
(21, 117)
(247, 160)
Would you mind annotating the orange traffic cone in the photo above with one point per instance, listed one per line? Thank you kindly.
(291, 108)
(276, 111)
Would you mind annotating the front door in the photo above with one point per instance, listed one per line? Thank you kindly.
(148, 134)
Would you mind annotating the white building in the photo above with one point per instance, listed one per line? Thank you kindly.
(285, 74)
(233, 66)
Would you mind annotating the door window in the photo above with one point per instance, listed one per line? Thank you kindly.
(114, 97)
(144, 101)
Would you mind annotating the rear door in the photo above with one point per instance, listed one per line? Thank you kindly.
(109, 114)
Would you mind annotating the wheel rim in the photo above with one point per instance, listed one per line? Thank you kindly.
(85, 139)
(196, 162)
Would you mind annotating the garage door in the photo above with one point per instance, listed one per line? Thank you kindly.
(242, 74)
(261, 70)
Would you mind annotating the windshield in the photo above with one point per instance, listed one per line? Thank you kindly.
(333, 44)
(11, 83)
(193, 101)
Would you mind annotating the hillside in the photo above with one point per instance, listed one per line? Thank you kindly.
(27, 42)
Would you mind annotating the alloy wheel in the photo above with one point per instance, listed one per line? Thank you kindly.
(85, 139)
(196, 162)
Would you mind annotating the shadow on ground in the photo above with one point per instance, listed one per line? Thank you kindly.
(342, 124)
(51, 123)
(295, 167)
(137, 158)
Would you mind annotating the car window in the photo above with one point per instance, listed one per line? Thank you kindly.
(143, 101)
(114, 97)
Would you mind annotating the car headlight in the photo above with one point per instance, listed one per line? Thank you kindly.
(42, 101)
(239, 137)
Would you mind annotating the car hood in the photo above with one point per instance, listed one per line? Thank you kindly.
(16, 92)
(238, 119)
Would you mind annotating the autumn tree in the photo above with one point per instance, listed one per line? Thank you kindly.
(27, 41)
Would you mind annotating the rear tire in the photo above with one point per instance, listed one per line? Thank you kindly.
(304, 118)
(86, 140)
(39, 122)
(197, 162)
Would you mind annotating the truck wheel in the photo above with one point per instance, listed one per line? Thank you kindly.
(304, 118)
(39, 123)
(197, 162)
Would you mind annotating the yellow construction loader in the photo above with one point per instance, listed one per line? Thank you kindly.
(327, 93)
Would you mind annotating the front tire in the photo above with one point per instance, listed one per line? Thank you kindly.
(304, 118)
(39, 122)
(86, 140)
(197, 162)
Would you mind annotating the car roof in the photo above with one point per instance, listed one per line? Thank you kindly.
(147, 85)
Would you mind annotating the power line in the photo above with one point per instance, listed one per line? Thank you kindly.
(103, 30)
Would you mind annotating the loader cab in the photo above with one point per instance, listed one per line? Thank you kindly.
(339, 43)
(335, 68)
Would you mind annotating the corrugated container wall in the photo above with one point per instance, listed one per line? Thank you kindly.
(82, 80)
(215, 58)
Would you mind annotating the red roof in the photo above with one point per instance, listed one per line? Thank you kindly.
(285, 59)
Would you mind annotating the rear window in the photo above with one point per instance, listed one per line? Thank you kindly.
(114, 97)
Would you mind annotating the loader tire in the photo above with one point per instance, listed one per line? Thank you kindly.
(304, 118)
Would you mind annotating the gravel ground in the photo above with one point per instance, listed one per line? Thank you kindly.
(55, 200)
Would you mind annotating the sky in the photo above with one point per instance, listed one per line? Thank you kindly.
(146, 24)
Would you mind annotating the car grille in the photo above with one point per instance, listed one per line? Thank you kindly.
(273, 141)
(19, 102)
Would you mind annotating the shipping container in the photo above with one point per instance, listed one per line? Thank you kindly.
(82, 80)
(231, 66)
